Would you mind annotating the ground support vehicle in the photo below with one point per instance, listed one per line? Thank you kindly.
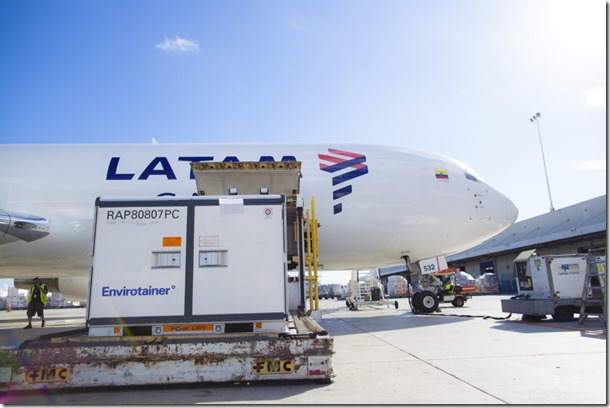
(460, 293)
(428, 291)
(424, 297)
(79, 360)
(366, 291)
(157, 312)
(550, 285)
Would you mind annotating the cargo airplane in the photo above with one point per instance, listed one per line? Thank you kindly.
(375, 204)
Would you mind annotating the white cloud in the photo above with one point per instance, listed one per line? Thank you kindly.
(178, 45)
(596, 97)
(593, 165)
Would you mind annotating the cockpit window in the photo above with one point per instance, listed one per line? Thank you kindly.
(469, 176)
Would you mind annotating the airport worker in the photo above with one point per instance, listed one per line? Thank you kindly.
(37, 297)
(448, 286)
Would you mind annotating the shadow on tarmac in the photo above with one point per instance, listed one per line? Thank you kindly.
(344, 325)
(230, 392)
(448, 315)
(520, 326)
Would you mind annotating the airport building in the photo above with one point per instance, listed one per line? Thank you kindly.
(576, 229)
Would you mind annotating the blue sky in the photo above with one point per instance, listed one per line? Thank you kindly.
(457, 77)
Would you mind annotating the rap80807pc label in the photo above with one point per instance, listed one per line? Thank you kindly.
(143, 214)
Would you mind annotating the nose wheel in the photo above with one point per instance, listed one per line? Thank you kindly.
(425, 301)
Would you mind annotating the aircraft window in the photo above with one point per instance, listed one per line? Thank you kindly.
(470, 177)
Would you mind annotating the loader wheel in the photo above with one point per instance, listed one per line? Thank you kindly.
(427, 301)
(532, 318)
(563, 314)
(396, 304)
(414, 301)
(458, 301)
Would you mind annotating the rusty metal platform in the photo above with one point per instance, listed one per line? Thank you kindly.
(79, 361)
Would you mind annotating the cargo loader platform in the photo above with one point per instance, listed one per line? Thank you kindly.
(76, 360)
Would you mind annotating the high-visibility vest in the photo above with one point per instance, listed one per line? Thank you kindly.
(43, 296)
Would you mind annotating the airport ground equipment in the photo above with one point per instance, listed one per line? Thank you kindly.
(460, 293)
(424, 296)
(594, 300)
(82, 361)
(426, 289)
(191, 290)
(550, 285)
(366, 290)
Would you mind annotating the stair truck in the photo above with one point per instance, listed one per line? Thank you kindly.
(367, 290)
(190, 290)
(550, 285)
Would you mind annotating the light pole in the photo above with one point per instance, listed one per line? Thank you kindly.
(536, 119)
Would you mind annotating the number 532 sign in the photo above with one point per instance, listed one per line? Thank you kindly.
(432, 265)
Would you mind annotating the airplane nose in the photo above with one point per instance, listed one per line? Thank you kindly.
(505, 211)
(512, 212)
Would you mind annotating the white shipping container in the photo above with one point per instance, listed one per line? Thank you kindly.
(188, 260)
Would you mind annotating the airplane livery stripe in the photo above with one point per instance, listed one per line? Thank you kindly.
(345, 164)
(355, 167)
(342, 178)
(344, 153)
(342, 192)
(335, 160)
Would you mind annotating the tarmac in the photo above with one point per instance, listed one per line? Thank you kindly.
(476, 354)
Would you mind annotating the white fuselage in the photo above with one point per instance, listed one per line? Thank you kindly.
(386, 202)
